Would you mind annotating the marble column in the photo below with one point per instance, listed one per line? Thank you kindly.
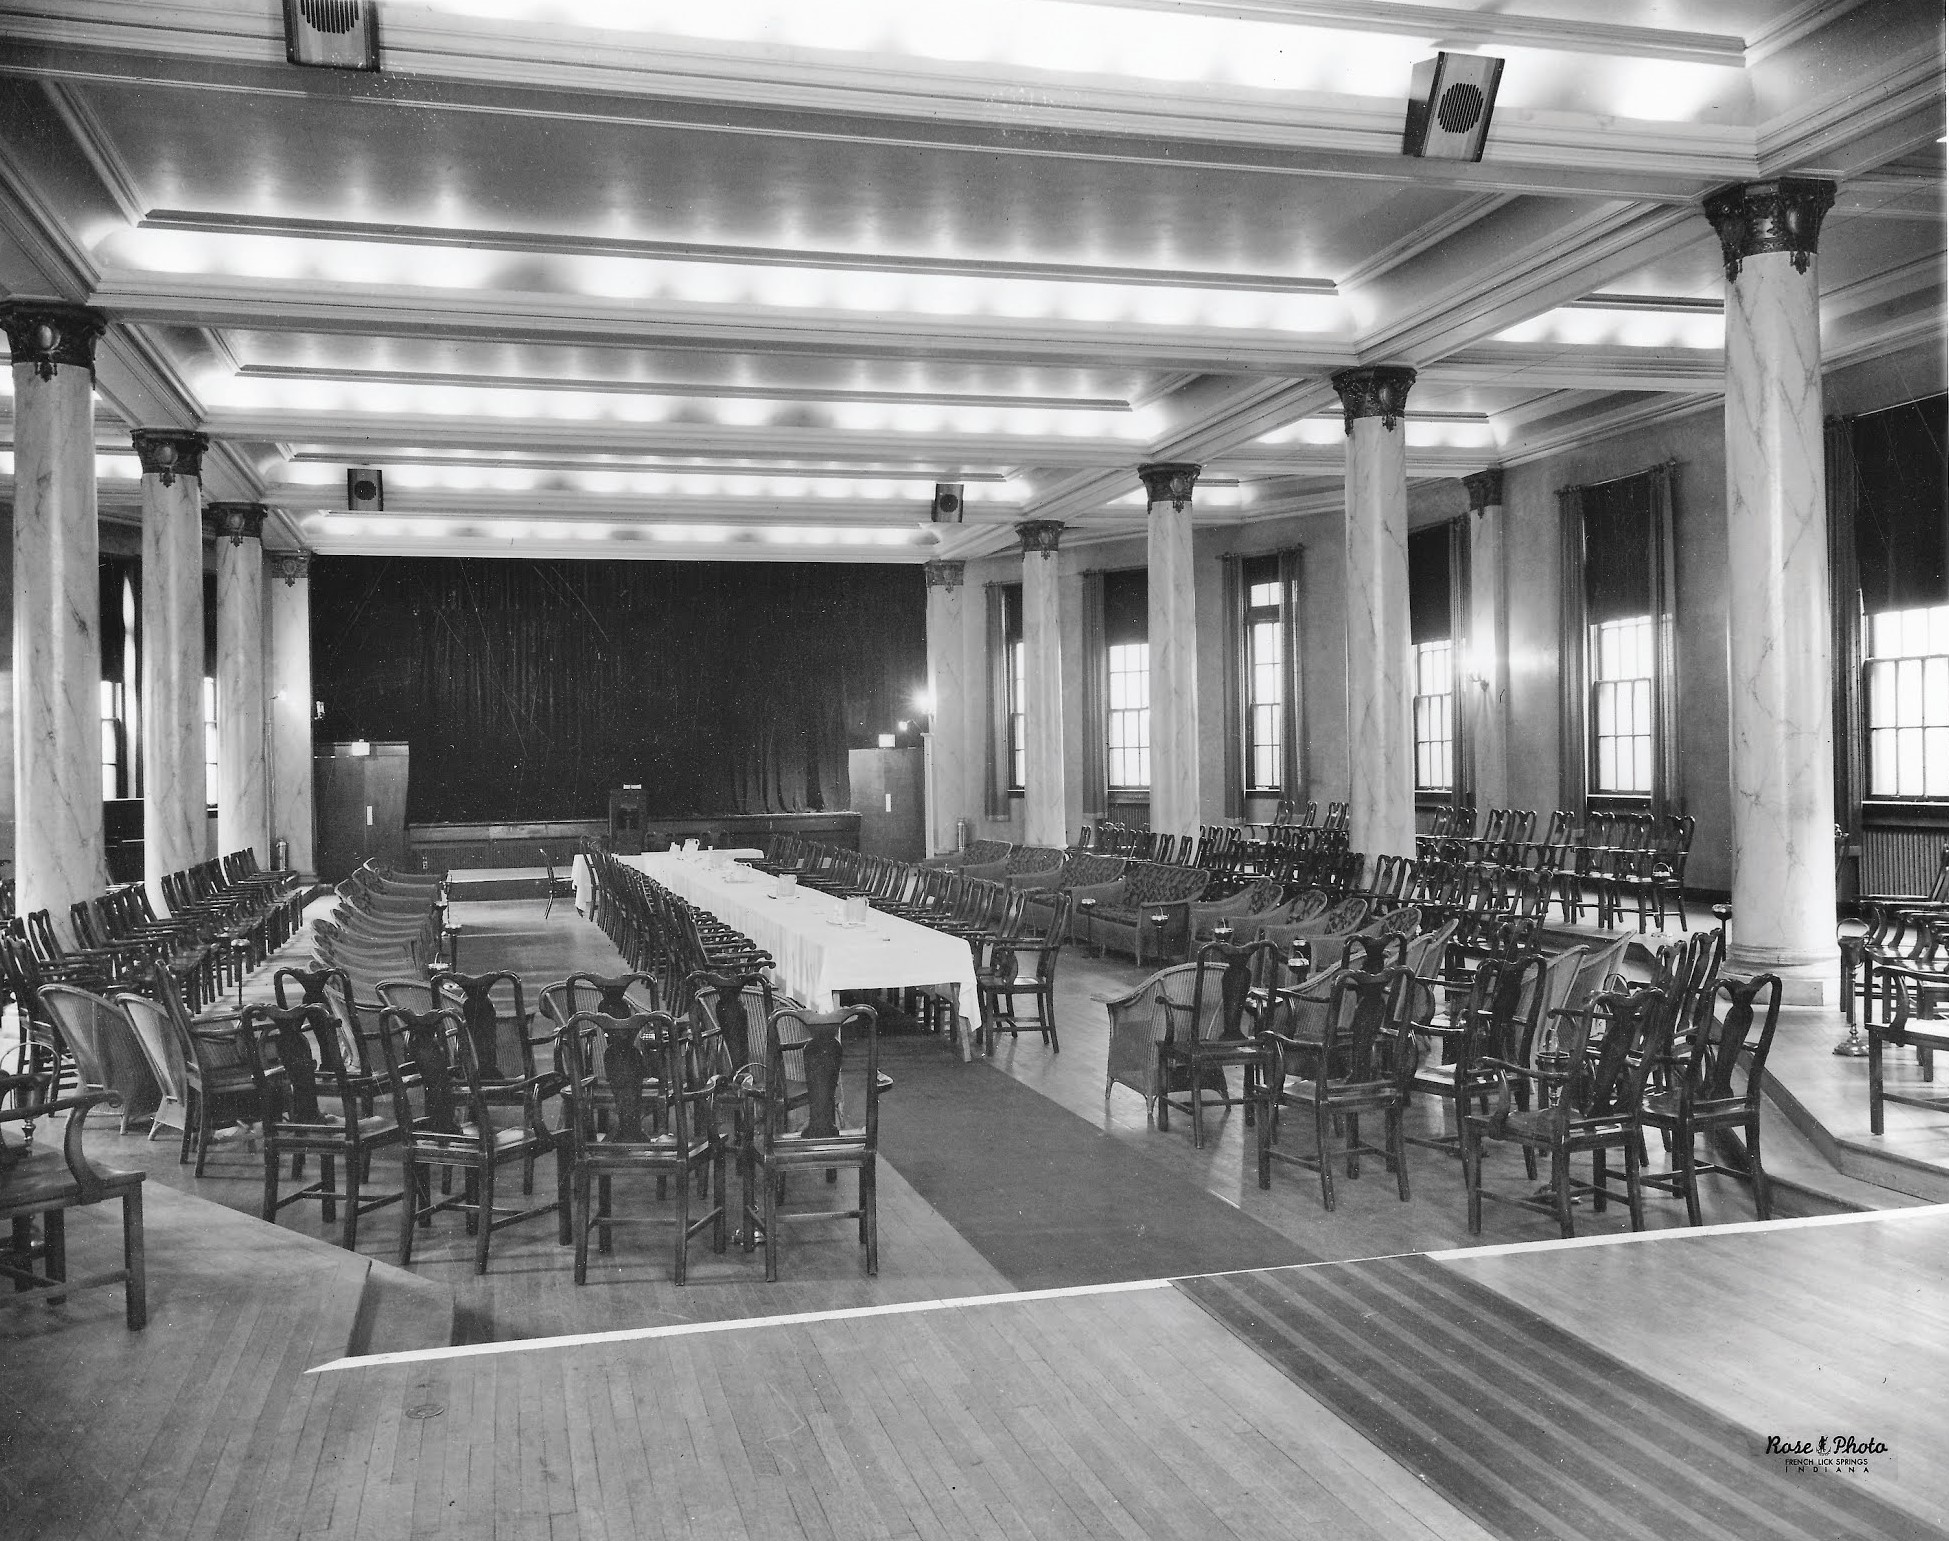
(1042, 793)
(953, 792)
(1485, 677)
(174, 822)
(1380, 695)
(243, 789)
(60, 852)
(1781, 708)
(1175, 807)
(287, 622)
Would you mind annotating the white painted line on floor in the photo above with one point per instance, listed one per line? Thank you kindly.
(734, 1324)
(1682, 1233)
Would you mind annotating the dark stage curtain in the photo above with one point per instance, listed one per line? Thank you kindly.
(528, 690)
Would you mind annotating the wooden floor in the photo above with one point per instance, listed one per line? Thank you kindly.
(1102, 1414)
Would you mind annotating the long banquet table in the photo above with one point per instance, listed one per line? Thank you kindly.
(816, 956)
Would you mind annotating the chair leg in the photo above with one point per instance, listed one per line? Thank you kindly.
(1397, 1140)
(353, 1176)
(269, 1211)
(1319, 1149)
(1472, 1176)
(409, 1211)
(580, 1184)
(135, 1289)
(190, 1101)
(1560, 1180)
(484, 1233)
(1688, 1175)
(328, 1174)
(1634, 1187)
(1762, 1184)
(683, 1226)
(1353, 1145)
(1600, 1198)
(771, 1227)
(605, 1198)
(720, 1228)
(1874, 1082)
(869, 1203)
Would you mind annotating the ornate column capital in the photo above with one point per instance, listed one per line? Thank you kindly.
(289, 565)
(1169, 481)
(50, 333)
(1374, 390)
(1040, 535)
(240, 521)
(170, 452)
(1783, 214)
(1484, 489)
(946, 575)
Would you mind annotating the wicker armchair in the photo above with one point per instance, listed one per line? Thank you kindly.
(1261, 897)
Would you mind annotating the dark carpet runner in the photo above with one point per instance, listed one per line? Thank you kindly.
(1527, 1429)
(1046, 1197)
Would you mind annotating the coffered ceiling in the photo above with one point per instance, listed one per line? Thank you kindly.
(748, 278)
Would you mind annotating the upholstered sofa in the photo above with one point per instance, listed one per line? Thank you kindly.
(977, 860)
(1122, 915)
(1078, 869)
(1029, 862)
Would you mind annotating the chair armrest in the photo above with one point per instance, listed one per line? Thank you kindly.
(1047, 878)
(1101, 892)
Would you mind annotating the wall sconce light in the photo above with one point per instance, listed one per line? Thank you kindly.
(924, 702)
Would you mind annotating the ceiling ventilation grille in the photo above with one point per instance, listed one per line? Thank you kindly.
(332, 34)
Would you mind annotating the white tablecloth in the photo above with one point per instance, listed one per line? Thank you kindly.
(585, 884)
(817, 959)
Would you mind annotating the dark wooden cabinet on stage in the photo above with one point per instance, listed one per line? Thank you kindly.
(361, 799)
(626, 807)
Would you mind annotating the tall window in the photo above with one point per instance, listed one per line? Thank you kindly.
(1265, 689)
(1621, 684)
(1129, 725)
(209, 740)
(1126, 679)
(1431, 616)
(1434, 716)
(1907, 659)
(1623, 659)
(1899, 476)
(1018, 744)
(111, 707)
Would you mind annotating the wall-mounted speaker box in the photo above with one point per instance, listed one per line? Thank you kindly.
(365, 488)
(948, 503)
(332, 34)
(1449, 105)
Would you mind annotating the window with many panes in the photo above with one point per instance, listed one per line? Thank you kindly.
(111, 707)
(209, 740)
(1434, 716)
(1018, 744)
(1907, 701)
(1622, 661)
(1431, 621)
(1129, 716)
(1265, 693)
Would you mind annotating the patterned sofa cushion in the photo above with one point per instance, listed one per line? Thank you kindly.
(1081, 869)
(1034, 858)
(981, 852)
(1149, 882)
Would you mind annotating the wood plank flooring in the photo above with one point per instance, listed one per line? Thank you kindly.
(1802, 1332)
